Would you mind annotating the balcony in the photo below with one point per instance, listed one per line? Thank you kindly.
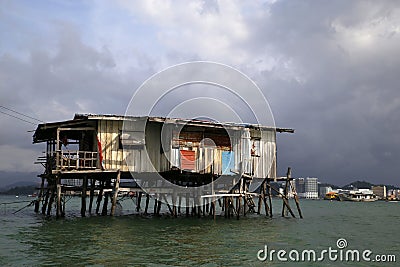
(76, 160)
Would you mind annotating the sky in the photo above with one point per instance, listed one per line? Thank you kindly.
(329, 69)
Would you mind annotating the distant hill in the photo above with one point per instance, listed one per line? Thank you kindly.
(364, 184)
(357, 184)
(12, 179)
(20, 190)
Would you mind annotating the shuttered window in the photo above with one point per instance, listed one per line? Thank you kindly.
(188, 160)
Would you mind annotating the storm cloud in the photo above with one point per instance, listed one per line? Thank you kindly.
(329, 69)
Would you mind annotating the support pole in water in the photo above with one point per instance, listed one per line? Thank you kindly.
(83, 196)
(115, 196)
(147, 204)
(37, 203)
(269, 197)
(285, 191)
(92, 185)
(99, 197)
(58, 213)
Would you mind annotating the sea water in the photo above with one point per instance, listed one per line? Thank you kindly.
(30, 239)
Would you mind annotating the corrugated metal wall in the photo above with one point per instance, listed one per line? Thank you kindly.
(242, 143)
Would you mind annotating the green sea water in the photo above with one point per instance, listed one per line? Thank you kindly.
(29, 239)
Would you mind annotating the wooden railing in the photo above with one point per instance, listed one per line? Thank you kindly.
(68, 159)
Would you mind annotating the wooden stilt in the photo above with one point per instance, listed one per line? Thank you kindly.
(46, 200)
(92, 185)
(83, 196)
(269, 198)
(179, 203)
(155, 205)
(225, 200)
(174, 196)
(259, 205)
(106, 197)
(187, 205)
(169, 206)
(264, 192)
(58, 212)
(285, 191)
(115, 195)
(138, 201)
(238, 207)
(158, 207)
(203, 206)
(37, 203)
(285, 201)
(63, 206)
(198, 207)
(296, 199)
(99, 197)
(105, 204)
(147, 204)
(51, 202)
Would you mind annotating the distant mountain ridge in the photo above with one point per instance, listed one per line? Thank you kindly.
(20, 190)
(12, 179)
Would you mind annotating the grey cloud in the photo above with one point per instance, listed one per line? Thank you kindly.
(340, 94)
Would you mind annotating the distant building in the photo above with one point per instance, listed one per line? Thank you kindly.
(380, 191)
(307, 187)
(300, 186)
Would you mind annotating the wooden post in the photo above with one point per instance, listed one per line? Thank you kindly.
(296, 199)
(264, 192)
(58, 212)
(155, 205)
(105, 204)
(37, 203)
(285, 191)
(225, 199)
(138, 201)
(46, 200)
(147, 203)
(106, 197)
(115, 196)
(169, 206)
(63, 206)
(83, 196)
(285, 201)
(92, 186)
(260, 198)
(238, 201)
(174, 196)
(269, 198)
(198, 206)
(99, 197)
(179, 203)
(51, 201)
(158, 207)
(187, 204)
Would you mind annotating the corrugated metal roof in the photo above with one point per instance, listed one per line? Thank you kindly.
(194, 122)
